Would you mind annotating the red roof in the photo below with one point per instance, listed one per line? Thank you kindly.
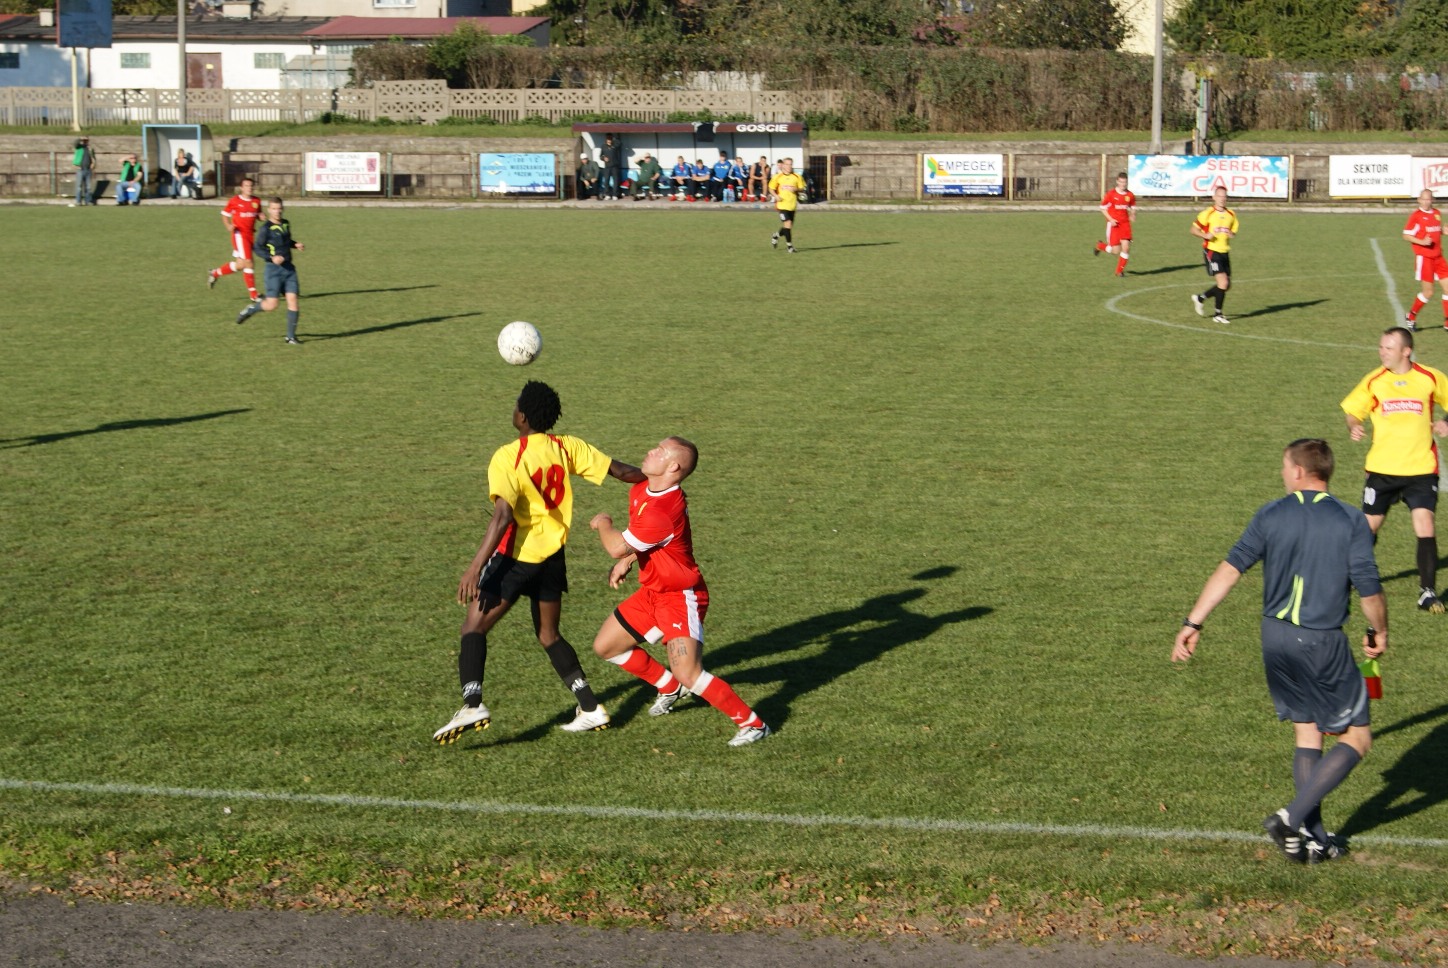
(368, 28)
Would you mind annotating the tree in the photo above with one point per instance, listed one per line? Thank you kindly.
(1293, 29)
(1420, 34)
(1053, 24)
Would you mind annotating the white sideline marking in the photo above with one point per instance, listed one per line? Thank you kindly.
(1398, 311)
(645, 813)
(1220, 330)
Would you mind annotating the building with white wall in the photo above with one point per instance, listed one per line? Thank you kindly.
(241, 53)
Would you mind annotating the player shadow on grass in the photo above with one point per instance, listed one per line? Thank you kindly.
(363, 292)
(1416, 782)
(1278, 308)
(1162, 270)
(845, 245)
(105, 428)
(810, 653)
(385, 327)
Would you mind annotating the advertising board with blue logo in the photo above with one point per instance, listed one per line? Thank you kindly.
(518, 174)
(1197, 176)
(963, 174)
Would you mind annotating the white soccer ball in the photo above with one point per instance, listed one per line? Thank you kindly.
(520, 343)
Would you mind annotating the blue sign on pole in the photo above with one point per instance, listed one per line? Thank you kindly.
(518, 174)
(83, 23)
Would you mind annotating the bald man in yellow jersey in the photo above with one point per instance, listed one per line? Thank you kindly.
(522, 554)
(1402, 463)
(1216, 227)
(786, 187)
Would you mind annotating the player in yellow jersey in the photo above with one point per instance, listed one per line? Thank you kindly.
(786, 187)
(532, 498)
(1402, 463)
(1216, 227)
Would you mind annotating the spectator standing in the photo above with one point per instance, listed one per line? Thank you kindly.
(128, 185)
(84, 162)
(610, 165)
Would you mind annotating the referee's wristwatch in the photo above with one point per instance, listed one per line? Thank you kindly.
(1188, 623)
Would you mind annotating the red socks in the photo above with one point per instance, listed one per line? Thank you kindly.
(716, 692)
(249, 277)
(640, 663)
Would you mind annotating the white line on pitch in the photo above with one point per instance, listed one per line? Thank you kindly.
(1392, 286)
(645, 813)
(1111, 305)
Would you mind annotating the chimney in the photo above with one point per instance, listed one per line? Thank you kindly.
(236, 9)
(47, 16)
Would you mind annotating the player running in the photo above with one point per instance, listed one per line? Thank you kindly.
(531, 491)
(239, 215)
(672, 598)
(1216, 226)
(1119, 207)
(1425, 232)
(786, 187)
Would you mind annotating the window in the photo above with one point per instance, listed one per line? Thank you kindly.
(135, 61)
(276, 61)
(10, 60)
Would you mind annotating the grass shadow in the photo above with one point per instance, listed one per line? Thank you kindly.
(1278, 308)
(363, 292)
(1163, 270)
(1416, 782)
(115, 425)
(385, 327)
(813, 652)
(846, 245)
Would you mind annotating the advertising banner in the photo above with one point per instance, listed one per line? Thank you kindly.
(343, 171)
(963, 174)
(1197, 176)
(1369, 176)
(1431, 173)
(518, 174)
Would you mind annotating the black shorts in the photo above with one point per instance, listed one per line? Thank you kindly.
(1312, 676)
(788, 216)
(1217, 262)
(280, 280)
(1382, 491)
(510, 579)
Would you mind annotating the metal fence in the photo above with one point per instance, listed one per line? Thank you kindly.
(886, 176)
(428, 101)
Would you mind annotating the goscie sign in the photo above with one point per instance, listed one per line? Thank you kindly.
(1197, 176)
(343, 171)
(963, 174)
(1369, 176)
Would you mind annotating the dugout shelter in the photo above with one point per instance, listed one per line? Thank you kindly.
(698, 139)
(158, 149)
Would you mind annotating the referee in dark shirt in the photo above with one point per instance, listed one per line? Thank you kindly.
(1314, 550)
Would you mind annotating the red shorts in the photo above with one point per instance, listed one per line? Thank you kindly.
(651, 616)
(1117, 233)
(1431, 268)
(240, 245)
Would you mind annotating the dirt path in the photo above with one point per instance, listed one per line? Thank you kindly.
(44, 930)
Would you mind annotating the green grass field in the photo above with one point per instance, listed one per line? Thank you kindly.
(958, 486)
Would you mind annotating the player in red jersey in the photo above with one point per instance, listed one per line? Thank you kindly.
(1424, 232)
(1119, 207)
(240, 215)
(672, 598)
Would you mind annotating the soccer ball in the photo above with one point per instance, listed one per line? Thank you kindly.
(520, 343)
